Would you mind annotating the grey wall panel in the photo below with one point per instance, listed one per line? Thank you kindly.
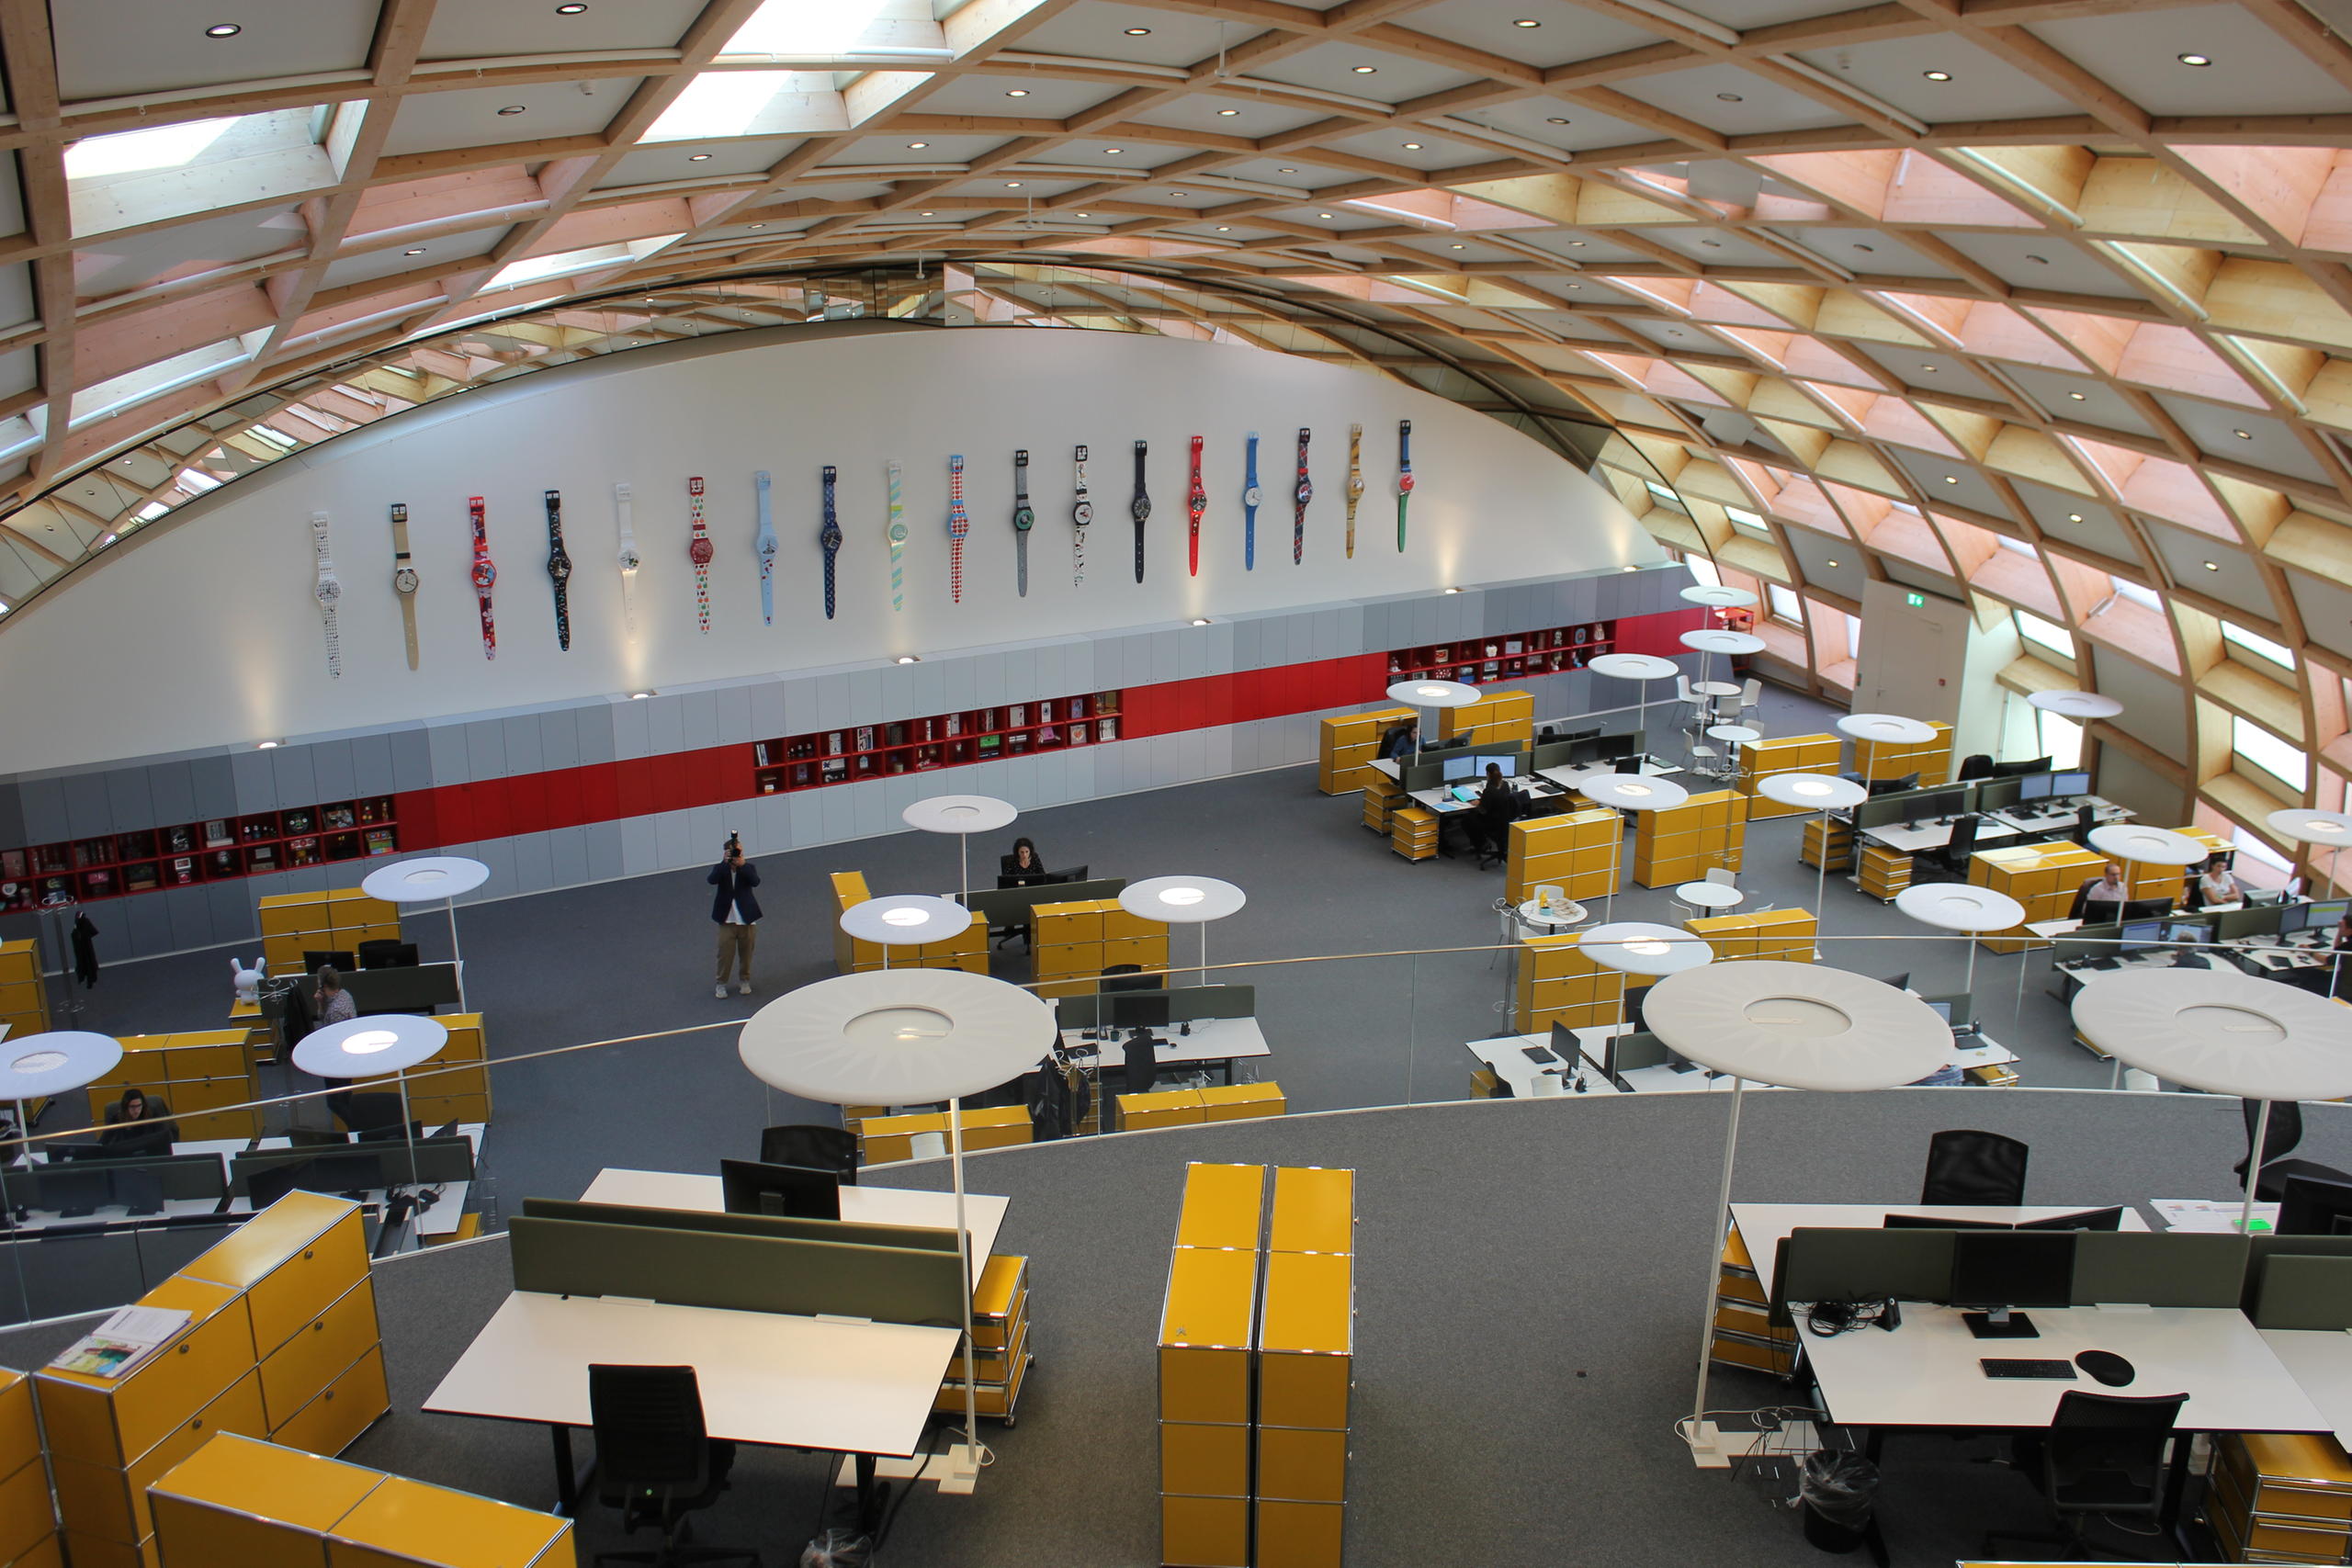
(833, 708)
(533, 862)
(450, 761)
(838, 814)
(1247, 633)
(771, 824)
(698, 722)
(666, 724)
(293, 776)
(190, 913)
(1049, 670)
(732, 713)
(12, 816)
(603, 846)
(141, 927)
(519, 738)
(1166, 655)
(130, 802)
(595, 728)
(671, 840)
(801, 708)
(559, 739)
(44, 806)
(640, 854)
(865, 693)
(371, 764)
(1077, 773)
(499, 855)
(990, 685)
(232, 905)
(894, 699)
(926, 690)
(807, 808)
(412, 758)
(766, 720)
(257, 780)
(332, 773)
(567, 857)
(485, 749)
(630, 727)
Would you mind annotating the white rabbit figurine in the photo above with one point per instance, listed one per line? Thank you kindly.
(249, 980)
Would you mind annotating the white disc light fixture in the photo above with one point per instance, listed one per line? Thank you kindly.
(1716, 596)
(1641, 947)
(1429, 695)
(1961, 906)
(1641, 667)
(2310, 826)
(1824, 792)
(371, 1047)
(1730, 644)
(2135, 845)
(423, 880)
(962, 815)
(37, 1067)
(2077, 705)
(1869, 731)
(905, 920)
(1185, 900)
(1627, 792)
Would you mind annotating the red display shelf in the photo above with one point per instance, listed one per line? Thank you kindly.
(1491, 660)
(218, 850)
(860, 751)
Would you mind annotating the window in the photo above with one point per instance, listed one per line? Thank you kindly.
(2261, 647)
(1785, 605)
(2147, 598)
(2062, 739)
(1752, 522)
(2268, 752)
(1853, 637)
(2048, 633)
(1703, 571)
(1665, 496)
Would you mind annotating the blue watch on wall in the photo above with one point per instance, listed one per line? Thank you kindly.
(1251, 496)
(764, 548)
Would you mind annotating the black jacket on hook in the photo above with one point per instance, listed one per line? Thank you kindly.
(86, 950)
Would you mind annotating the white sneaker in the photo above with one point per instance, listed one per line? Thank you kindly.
(720, 990)
(744, 988)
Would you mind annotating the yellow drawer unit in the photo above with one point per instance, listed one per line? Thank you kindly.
(404, 1523)
(1745, 1335)
(341, 1411)
(1224, 1206)
(1000, 1301)
(1240, 1101)
(1412, 832)
(2281, 1497)
(1205, 1335)
(27, 1522)
(1203, 1460)
(881, 1139)
(237, 1503)
(1314, 1211)
(1883, 872)
(1833, 844)
(96, 1551)
(1307, 1340)
(292, 1261)
(1759, 760)
(1161, 1107)
(293, 1374)
(114, 1421)
(1203, 1532)
(110, 1502)
(1579, 853)
(24, 1000)
(1303, 1464)
(1299, 1535)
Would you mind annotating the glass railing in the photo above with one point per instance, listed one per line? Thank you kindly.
(92, 1224)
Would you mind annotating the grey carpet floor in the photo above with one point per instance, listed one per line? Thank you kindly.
(1529, 1284)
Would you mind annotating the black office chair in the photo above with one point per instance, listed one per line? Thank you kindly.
(2285, 1129)
(1976, 765)
(1131, 977)
(654, 1462)
(2086, 818)
(2102, 1454)
(813, 1145)
(1142, 1068)
(1968, 1166)
(1953, 856)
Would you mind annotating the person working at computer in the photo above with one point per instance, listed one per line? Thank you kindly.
(136, 1119)
(2214, 886)
(1022, 863)
(330, 1003)
(1400, 741)
(1491, 816)
(2108, 887)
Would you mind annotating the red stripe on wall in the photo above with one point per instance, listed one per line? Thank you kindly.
(606, 792)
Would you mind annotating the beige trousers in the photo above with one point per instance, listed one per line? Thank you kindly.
(735, 947)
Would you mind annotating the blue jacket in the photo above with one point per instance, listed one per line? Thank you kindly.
(734, 886)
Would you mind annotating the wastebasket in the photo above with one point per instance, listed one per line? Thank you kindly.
(1838, 1491)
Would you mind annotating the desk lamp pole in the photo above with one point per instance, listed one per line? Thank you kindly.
(456, 956)
(2252, 1167)
(965, 1468)
(1704, 1450)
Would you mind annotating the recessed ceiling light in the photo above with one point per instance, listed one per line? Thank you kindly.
(1453, 591)
(1200, 620)
(1013, 185)
(1366, 70)
(2195, 59)
(1951, 479)
(2242, 434)
(909, 659)
(1575, 286)
(1458, 247)
(1322, 215)
(512, 109)
(223, 29)
(2073, 517)
(1557, 120)
(2039, 261)
(759, 225)
(1833, 563)
(1730, 98)
(267, 745)
(2078, 396)
(1016, 92)
(1138, 32)
(917, 146)
(1526, 22)
(1115, 152)
(926, 212)
(1412, 146)
(1176, 193)
(1937, 75)
(1576, 244)
(573, 9)
(1228, 112)
(1286, 171)
(418, 251)
(1928, 368)
(697, 157)
(1082, 215)
(1225, 228)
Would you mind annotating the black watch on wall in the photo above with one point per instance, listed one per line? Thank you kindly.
(1140, 507)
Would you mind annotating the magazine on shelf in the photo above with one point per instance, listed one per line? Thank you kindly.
(122, 1341)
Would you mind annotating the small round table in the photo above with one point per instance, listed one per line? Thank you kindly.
(1558, 919)
(1709, 895)
(1715, 688)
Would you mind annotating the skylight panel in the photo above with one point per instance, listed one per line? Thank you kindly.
(802, 30)
(750, 103)
(563, 263)
(143, 152)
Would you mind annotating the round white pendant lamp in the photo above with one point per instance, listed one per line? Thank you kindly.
(2225, 1032)
(1824, 792)
(371, 1046)
(1643, 947)
(39, 1066)
(421, 881)
(1717, 597)
(962, 815)
(2136, 845)
(905, 920)
(1729, 644)
(1961, 906)
(1876, 729)
(2307, 825)
(2077, 705)
(1185, 900)
(1799, 1026)
(1627, 792)
(905, 1037)
(1429, 695)
(1643, 668)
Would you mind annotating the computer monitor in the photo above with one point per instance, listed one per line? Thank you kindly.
(2083, 1220)
(2036, 786)
(2066, 785)
(2322, 915)
(1943, 1010)
(1075, 873)
(1584, 752)
(137, 1138)
(2314, 1206)
(2020, 769)
(2254, 921)
(385, 953)
(1139, 1010)
(71, 1190)
(1473, 768)
(1930, 1222)
(793, 1192)
(2266, 898)
(1633, 1050)
(1036, 878)
(1582, 734)
(1995, 1273)
(2186, 931)
(1941, 802)
(317, 958)
(2138, 909)
(1895, 786)
(2138, 934)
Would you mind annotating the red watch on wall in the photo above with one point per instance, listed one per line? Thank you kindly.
(699, 551)
(485, 576)
(1197, 503)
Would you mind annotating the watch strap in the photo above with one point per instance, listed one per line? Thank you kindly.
(1196, 502)
(1143, 497)
(958, 524)
(327, 603)
(481, 518)
(1020, 531)
(625, 507)
(763, 545)
(828, 535)
(1355, 483)
(562, 584)
(1249, 509)
(403, 561)
(1306, 490)
(1081, 508)
(701, 534)
(894, 532)
(1404, 477)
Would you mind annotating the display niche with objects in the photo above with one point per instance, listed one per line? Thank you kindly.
(216, 850)
(1481, 661)
(851, 753)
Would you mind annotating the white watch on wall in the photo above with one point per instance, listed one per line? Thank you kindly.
(404, 580)
(327, 592)
(628, 560)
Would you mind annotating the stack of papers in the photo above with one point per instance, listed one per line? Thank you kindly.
(122, 1341)
(2211, 1214)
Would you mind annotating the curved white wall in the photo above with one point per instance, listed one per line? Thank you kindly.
(205, 632)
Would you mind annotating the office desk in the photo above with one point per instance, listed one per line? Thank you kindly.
(1925, 1373)
(2063, 822)
(1763, 1227)
(2319, 1360)
(1505, 1056)
(866, 1205)
(1934, 834)
(2266, 956)
(1568, 778)
(1213, 1040)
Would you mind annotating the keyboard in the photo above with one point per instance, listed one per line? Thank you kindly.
(2019, 1367)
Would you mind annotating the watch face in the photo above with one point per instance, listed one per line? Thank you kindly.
(630, 561)
(1023, 519)
(1404, 484)
(559, 567)
(767, 550)
(1305, 492)
(1140, 507)
(485, 575)
(1252, 496)
(700, 551)
(1084, 512)
(328, 592)
(898, 532)
(1355, 484)
(830, 538)
(404, 580)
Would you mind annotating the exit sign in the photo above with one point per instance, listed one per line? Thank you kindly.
(1916, 600)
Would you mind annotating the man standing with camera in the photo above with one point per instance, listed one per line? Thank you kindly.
(736, 909)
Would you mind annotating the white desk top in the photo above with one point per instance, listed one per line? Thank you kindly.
(1715, 688)
(868, 1205)
(2319, 1360)
(1506, 1056)
(1925, 1373)
(1763, 1227)
(1568, 778)
(802, 1383)
(2105, 811)
(1533, 913)
(1211, 1040)
(1934, 834)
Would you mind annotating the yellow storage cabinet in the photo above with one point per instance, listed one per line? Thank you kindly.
(404, 1524)
(28, 1522)
(236, 1503)
(1558, 983)
(1224, 1206)
(1577, 851)
(1240, 1101)
(336, 921)
(1315, 1210)
(1684, 843)
(1350, 743)
(1759, 760)
(24, 1000)
(1307, 1340)
(1205, 1335)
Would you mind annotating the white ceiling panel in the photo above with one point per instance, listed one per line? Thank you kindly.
(2139, 53)
(370, 265)
(473, 29)
(108, 48)
(436, 122)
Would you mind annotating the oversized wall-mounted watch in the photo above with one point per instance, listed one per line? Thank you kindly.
(1251, 497)
(327, 592)
(959, 524)
(1196, 504)
(699, 551)
(625, 507)
(828, 534)
(1306, 494)
(560, 568)
(764, 546)
(1355, 483)
(1140, 507)
(1023, 519)
(1404, 477)
(404, 580)
(1081, 513)
(896, 532)
(485, 575)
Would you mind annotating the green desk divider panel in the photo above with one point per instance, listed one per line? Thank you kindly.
(746, 1273)
(2299, 1291)
(1188, 1002)
(2168, 1269)
(928, 1238)
(1839, 1264)
(1010, 906)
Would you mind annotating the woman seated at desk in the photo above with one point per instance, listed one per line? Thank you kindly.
(1400, 742)
(2214, 884)
(1022, 867)
(136, 1121)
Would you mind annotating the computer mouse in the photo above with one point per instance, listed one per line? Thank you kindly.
(2106, 1367)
